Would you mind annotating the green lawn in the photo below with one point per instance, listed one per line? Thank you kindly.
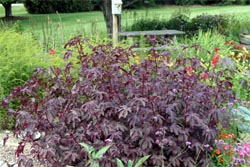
(86, 23)
(66, 24)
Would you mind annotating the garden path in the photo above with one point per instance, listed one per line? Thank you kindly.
(7, 152)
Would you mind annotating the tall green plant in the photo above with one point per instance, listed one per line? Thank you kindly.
(208, 41)
(19, 55)
(52, 33)
(132, 163)
(235, 26)
(95, 155)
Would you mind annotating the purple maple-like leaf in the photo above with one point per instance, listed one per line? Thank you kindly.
(5, 102)
(5, 139)
(20, 149)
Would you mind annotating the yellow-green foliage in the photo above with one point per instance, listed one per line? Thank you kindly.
(20, 54)
(241, 83)
(18, 57)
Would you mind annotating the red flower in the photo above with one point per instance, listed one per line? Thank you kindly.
(216, 50)
(227, 147)
(189, 69)
(236, 47)
(52, 52)
(229, 42)
(215, 60)
(205, 76)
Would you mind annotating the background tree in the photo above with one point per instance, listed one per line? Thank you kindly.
(7, 6)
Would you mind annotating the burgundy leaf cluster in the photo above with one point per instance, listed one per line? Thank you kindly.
(150, 108)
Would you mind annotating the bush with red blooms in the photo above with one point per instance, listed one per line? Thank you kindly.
(237, 51)
(149, 108)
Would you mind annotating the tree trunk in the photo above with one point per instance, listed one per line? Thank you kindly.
(106, 10)
(107, 13)
(8, 9)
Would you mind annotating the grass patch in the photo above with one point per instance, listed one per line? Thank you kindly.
(63, 26)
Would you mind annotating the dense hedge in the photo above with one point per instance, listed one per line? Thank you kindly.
(182, 22)
(61, 6)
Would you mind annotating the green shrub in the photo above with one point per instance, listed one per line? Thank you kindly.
(184, 2)
(140, 4)
(67, 6)
(208, 41)
(241, 85)
(207, 22)
(163, 2)
(232, 55)
(36, 6)
(178, 22)
(149, 24)
(235, 27)
(18, 58)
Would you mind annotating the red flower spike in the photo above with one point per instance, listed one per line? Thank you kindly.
(216, 50)
(215, 60)
(189, 69)
(52, 52)
(205, 76)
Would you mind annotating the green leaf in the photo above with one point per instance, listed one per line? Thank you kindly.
(87, 148)
(130, 163)
(119, 163)
(245, 137)
(244, 109)
(101, 152)
(95, 165)
(141, 161)
(244, 113)
(89, 162)
(244, 128)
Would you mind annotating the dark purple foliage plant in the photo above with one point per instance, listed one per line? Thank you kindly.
(149, 108)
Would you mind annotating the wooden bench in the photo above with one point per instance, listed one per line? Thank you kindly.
(153, 32)
(164, 33)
